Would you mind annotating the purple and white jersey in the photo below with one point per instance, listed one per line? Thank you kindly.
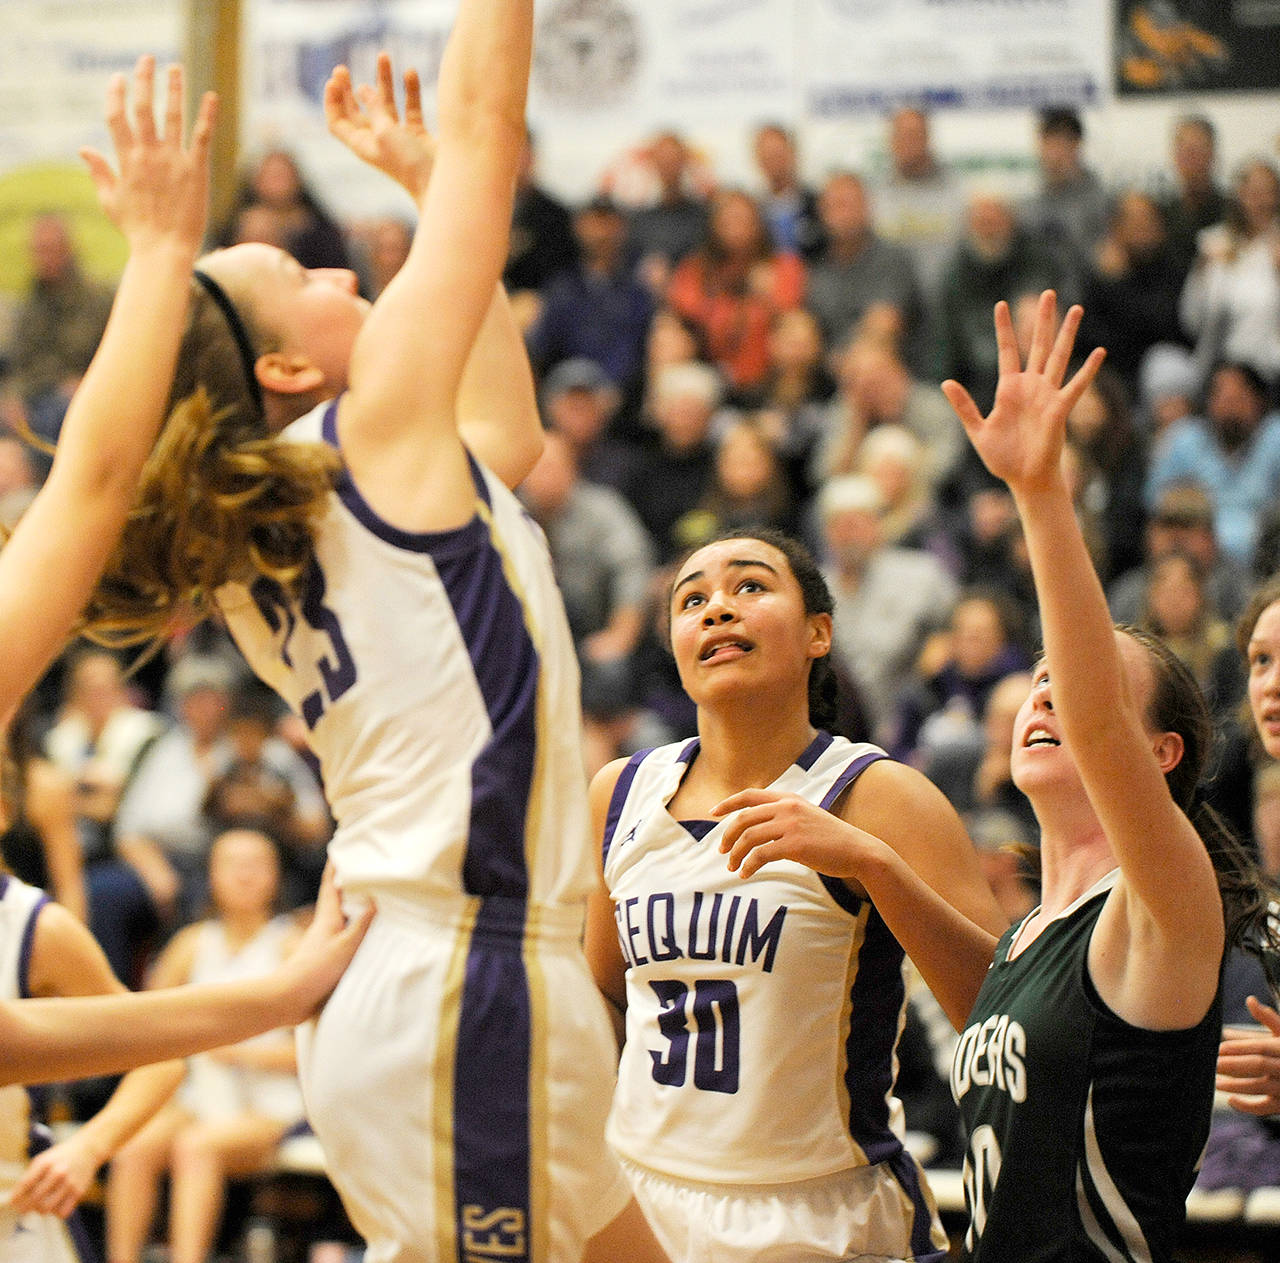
(437, 677)
(20, 905)
(762, 1014)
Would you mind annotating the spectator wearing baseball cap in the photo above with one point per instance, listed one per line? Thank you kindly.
(580, 402)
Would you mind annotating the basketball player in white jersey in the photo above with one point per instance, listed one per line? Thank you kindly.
(378, 573)
(755, 1106)
(157, 196)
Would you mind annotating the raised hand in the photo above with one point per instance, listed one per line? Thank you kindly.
(1021, 440)
(1249, 1063)
(366, 120)
(161, 189)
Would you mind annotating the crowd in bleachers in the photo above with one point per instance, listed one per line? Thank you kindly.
(712, 358)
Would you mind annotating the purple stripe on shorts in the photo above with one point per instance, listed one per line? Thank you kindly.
(492, 1145)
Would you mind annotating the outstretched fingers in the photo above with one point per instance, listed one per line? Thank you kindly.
(413, 99)
(962, 404)
(340, 106)
(1056, 365)
(175, 128)
(144, 117)
(1008, 360)
(1042, 333)
(1084, 375)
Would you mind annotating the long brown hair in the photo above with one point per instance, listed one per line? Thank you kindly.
(1249, 899)
(220, 500)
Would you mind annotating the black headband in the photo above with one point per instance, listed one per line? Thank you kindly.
(238, 332)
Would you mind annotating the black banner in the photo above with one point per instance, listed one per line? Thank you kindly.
(1196, 46)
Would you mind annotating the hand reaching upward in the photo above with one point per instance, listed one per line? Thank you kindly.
(366, 120)
(161, 190)
(1021, 440)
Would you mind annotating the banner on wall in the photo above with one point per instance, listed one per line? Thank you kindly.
(55, 61)
(622, 67)
(873, 55)
(1164, 46)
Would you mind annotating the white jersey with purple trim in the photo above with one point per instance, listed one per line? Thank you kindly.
(29, 1238)
(762, 1015)
(437, 677)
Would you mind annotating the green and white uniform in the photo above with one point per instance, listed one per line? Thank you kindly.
(1084, 1131)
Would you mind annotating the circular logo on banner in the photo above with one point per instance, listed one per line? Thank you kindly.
(587, 52)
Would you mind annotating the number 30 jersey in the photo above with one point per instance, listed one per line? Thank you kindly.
(762, 1014)
(1084, 1132)
(437, 678)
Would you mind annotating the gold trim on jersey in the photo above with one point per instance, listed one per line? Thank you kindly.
(443, 1088)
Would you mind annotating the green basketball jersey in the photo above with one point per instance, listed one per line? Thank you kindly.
(1084, 1132)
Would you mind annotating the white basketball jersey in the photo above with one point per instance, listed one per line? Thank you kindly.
(762, 1014)
(32, 1237)
(437, 677)
(19, 906)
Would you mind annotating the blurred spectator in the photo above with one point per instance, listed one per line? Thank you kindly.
(792, 398)
(749, 487)
(993, 550)
(790, 207)
(1231, 301)
(1132, 288)
(579, 402)
(263, 785)
(888, 600)
(897, 462)
(38, 839)
(1181, 521)
(1168, 385)
(920, 206)
(603, 561)
(676, 467)
(1114, 463)
(1002, 845)
(996, 261)
(20, 468)
(595, 308)
(542, 241)
(875, 388)
(298, 220)
(1233, 452)
(998, 813)
(235, 1104)
(1196, 202)
(858, 269)
(733, 285)
(939, 722)
(668, 191)
(1177, 606)
(56, 328)
(385, 245)
(97, 739)
(1068, 215)
(161, 829)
